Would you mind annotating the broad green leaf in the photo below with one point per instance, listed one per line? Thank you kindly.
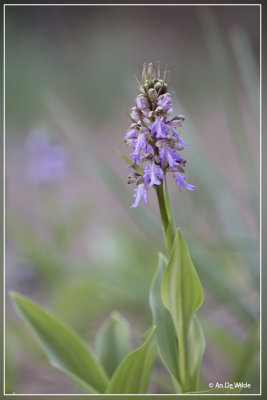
(182, 295)
(63, 347)
(112, 342)
(181, 289)
(128, 377)
(165, 333)
(131, 163)
(196, 346)
(148, 364)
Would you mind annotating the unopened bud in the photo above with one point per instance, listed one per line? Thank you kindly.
(157, 85)
(144, 77)
(150, 72)
(152, 94)
(142, 90)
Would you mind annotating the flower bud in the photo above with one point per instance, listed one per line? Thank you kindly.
(144, 77)
(157, 85)
(142, 90)
(142, 103)
(150, 72)
(152, 93)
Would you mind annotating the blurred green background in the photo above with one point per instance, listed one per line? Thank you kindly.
(74, 245)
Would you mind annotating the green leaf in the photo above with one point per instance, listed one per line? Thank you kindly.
(137, 168)
(129, 376)
(182, 295)
(65, 350)
(196, 346)
(181, 290)
(166, 339)
(112, 342)
(169, 236)
(148, 365)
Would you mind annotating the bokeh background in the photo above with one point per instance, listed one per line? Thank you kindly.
(72, 242)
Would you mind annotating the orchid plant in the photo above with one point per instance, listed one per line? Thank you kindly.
(176, 292)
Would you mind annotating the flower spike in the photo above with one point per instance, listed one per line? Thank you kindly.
(154, 137)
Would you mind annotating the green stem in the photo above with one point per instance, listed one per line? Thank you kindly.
(166, 216)
(162, 207)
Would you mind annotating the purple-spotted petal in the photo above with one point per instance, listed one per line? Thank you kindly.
(180, 180)
(176, 121)
(168, 154)
(140, 143)
(130, 134)
(139, 193)
(142, 103)
(160, 128)
(153, 173)
(165, 101)
(182, 141)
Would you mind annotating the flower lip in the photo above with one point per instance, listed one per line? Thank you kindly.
(140, 193)
(180, 180)
(160, 128)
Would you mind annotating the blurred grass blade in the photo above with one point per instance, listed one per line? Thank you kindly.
(212, 272)
(65, 350)
(251, 349)
(48, 262)
(131, 163)
(182, 295)
(225, 341)
(247, 65)
(129, 376)
(113, 342)
(226, 81)
(165, 333)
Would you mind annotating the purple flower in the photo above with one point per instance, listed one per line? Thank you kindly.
(140, 193)
(142, 103)
(165, 101)
(168, 154)
(47, 161)
(180, 180)
(182, 141)
(160, 128)
(176, 121)
(140, 143)
(130, 134)
(151, 173)
(134, 114)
